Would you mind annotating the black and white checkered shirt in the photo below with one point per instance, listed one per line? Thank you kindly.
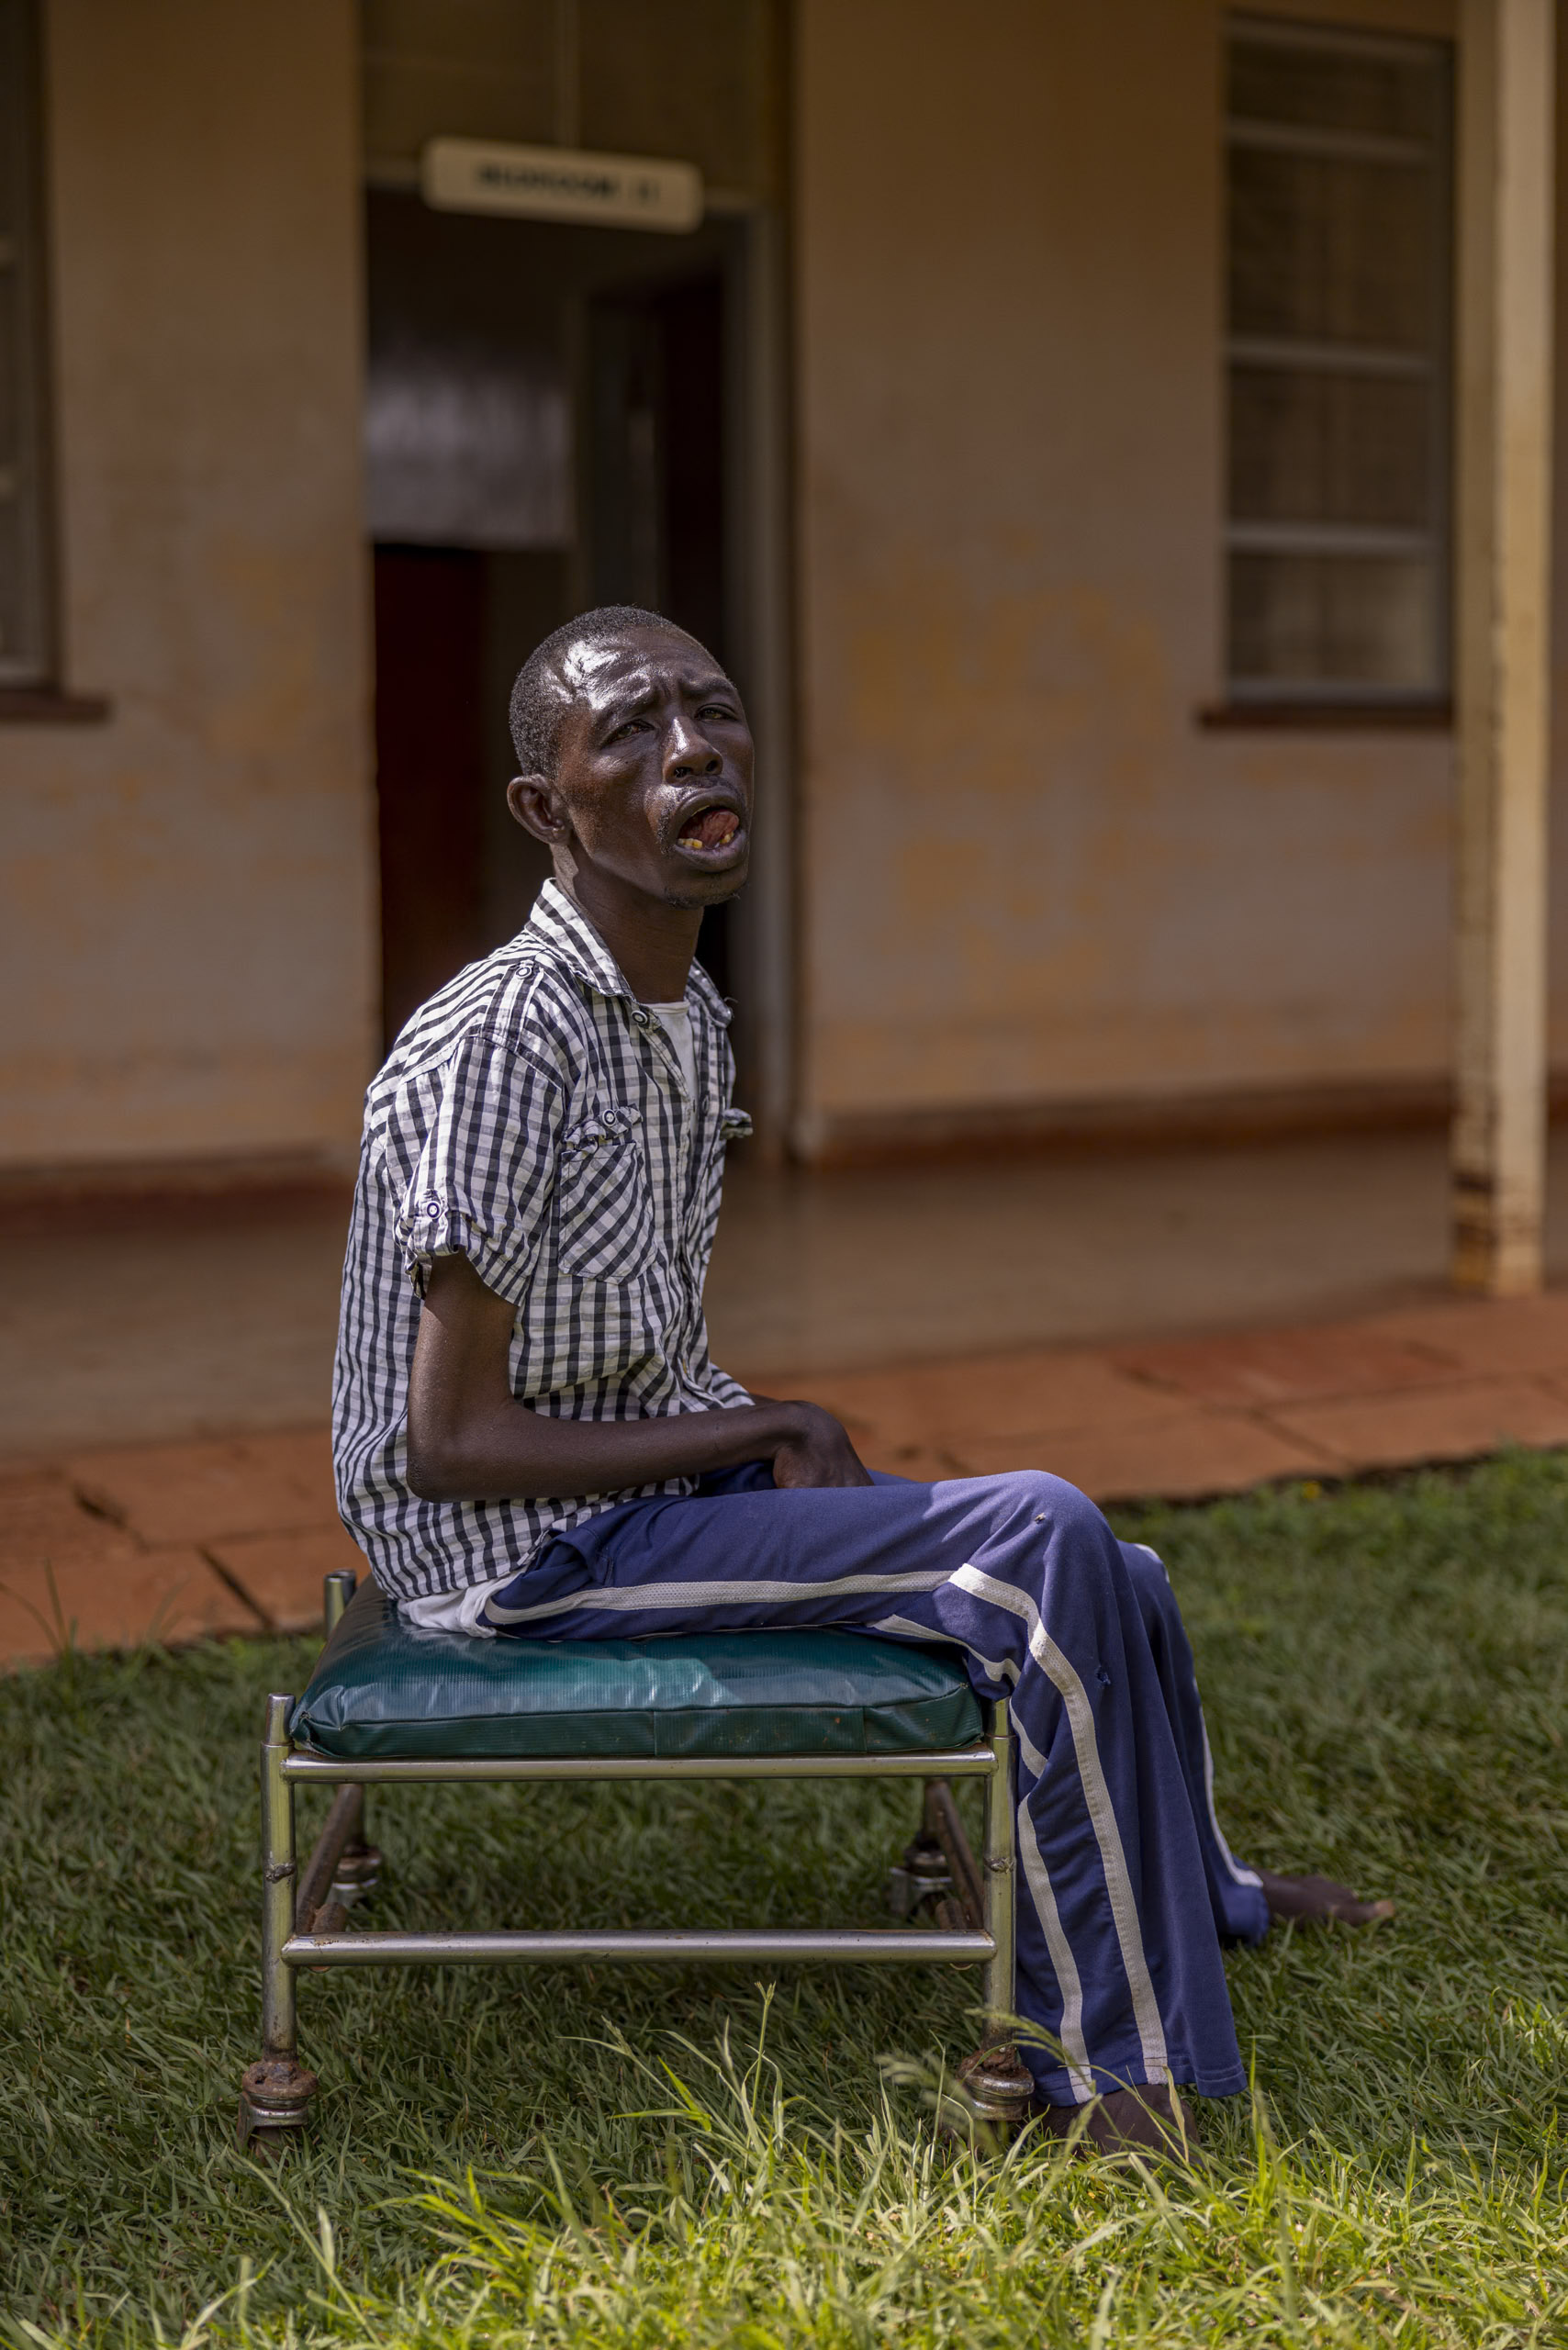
(534, 1118)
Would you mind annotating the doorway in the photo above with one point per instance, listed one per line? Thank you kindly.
(549, 426)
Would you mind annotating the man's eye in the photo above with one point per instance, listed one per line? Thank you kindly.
(716, 709)
(627, 726)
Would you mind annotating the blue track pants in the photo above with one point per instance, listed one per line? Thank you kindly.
(1127, 1884)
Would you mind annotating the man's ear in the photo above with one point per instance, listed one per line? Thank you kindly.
(536, 805)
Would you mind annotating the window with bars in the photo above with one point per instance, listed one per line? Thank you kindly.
(1339, 185)
(27, 647)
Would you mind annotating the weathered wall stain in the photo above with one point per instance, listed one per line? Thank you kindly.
(1029, 872)
(185, 892)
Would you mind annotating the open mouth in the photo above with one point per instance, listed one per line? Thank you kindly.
(707, 830)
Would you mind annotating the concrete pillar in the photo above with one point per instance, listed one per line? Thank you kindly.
(1505, 459)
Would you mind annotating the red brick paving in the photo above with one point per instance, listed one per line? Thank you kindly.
(1518, 1334)
(281, 1574)
(1440, 1382)
(1182, 1457)
(67, 1576)
(196, 1492)
(1281, 1366)
(1434, 1423)
(987, 1395)
(176, 1542)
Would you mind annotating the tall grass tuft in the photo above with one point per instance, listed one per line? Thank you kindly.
(766, 2229)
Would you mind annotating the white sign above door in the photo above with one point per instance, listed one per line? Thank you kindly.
(561, 183)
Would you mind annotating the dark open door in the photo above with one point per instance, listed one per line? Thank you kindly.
(654, 485)
(545, 430)
(429, 766)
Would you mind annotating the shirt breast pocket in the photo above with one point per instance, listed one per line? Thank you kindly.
(605, 1201)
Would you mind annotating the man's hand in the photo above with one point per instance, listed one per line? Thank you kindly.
(471, 1440)
(818, 1453)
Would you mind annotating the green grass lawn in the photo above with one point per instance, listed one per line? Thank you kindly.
(669, 2159)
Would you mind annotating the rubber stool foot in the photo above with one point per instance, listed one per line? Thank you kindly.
(358, 1874)
(275, 2100)
(995, 2086)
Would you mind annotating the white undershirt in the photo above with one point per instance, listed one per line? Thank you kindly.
(675, 1021)
(459, 1611)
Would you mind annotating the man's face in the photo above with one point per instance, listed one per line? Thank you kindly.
(653, 784)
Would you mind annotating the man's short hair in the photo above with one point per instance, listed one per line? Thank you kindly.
(538, 705)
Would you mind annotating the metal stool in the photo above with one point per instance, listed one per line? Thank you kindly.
(387, 1706)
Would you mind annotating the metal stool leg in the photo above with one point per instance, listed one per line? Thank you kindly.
(336, 1589)
(356, 1864)
(938, 1870)
(275, 2091)
(998, 2082)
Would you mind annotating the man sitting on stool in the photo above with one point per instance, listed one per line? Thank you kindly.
(531, 1441)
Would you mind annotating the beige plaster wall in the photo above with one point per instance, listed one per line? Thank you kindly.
(186, 903)
(1027, 874)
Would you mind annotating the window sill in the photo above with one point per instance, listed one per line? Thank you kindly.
(48, 706)
(1434, 717)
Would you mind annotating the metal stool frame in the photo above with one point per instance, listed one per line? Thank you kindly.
(304, 1916)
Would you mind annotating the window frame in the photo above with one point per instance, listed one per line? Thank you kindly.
(29, 676)
(1329, 700)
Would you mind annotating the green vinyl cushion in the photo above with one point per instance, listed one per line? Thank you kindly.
(381, 1689)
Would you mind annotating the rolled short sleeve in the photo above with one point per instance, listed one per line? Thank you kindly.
(482, 1182)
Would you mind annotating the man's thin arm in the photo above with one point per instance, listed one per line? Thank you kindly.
(470, 1439)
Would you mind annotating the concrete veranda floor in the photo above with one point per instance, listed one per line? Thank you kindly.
(1175, 1322)
(161, 1322)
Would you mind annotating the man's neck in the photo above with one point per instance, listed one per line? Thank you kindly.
(653, 942)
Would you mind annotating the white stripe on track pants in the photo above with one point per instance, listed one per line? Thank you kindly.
(1127, 1884)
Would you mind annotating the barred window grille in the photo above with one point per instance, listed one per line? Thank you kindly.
(1340, 187)
(26, 649)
